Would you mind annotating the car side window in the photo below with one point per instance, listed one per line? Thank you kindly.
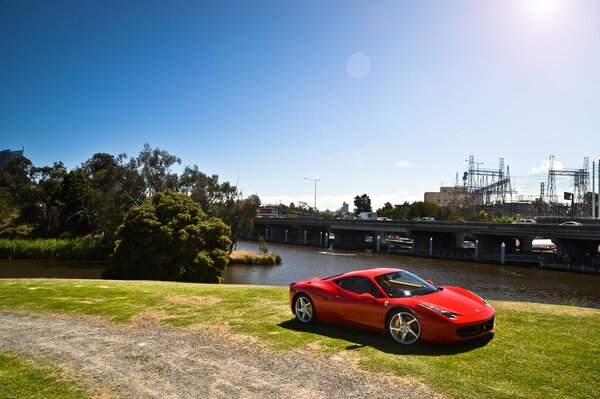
(359, 285)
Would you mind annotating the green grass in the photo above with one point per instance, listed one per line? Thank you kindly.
(22, 378)
(538, 351)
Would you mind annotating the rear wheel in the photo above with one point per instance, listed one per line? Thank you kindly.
(304, 309)
(404, 327)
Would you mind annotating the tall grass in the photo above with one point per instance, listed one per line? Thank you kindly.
(86, 248)
(252, 258)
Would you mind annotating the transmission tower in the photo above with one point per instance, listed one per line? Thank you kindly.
(581, 182)
(487, 187)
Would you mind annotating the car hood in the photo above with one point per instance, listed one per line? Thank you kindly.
(455, 300)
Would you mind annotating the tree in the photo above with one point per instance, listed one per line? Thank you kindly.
(75, 196)
(169, 237)
(15, 176)
(420, 209)
(154, 166)
(116, 186)
(243, 212)
(47, 207)
(362, 204)
(206, 190)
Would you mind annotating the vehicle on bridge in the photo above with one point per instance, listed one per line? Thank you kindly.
(525, 221)
(571, 223)
(393, 301)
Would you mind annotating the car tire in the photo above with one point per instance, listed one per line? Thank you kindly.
(403, 327)
(304, 309)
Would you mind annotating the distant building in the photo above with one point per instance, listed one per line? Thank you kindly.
(448, 196)
(367, 215)
(7, 155)
(268, 211)
(345, 209)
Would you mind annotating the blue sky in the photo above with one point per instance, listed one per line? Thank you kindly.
(387, 98)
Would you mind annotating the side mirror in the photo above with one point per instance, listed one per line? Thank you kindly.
(429, 281)
(367, 297)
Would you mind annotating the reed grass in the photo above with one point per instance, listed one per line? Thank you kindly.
(86, 248)
(253, 258)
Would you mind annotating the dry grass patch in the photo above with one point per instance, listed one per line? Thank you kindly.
(149, 319)
(193, 300)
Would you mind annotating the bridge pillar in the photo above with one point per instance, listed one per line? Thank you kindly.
(488, 245)
(525, 244)
(349, 239)
(459, 240)
(440, 242)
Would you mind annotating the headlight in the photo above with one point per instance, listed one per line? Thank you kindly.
(445, 313)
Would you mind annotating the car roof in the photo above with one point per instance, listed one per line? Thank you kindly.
(378, 271)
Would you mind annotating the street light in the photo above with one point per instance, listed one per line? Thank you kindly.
(315, 180)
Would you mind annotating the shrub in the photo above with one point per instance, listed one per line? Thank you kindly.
(169, 237)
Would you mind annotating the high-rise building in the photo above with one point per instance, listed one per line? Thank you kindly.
(7, 155)
(345, 209)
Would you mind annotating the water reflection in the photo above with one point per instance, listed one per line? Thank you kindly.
(26, 268)
(488, 280)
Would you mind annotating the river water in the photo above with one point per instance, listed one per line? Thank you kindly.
(488, 280)
(491, 281)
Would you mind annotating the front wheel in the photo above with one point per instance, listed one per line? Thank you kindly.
(304, 310)
(404, 327)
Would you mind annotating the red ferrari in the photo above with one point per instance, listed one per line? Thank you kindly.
(394, 301)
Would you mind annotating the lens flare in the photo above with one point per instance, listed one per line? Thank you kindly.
(544, 8)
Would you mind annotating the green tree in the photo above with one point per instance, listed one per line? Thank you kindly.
(420, 209)
(386, 211)
(116, 186)
(154, 166)
(212, 195)
(15, 177)
(169, 237)
(240, 217)
(47, 207)
(362, 203)
(75, 196)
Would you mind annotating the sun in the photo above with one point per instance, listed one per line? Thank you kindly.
(544, 8)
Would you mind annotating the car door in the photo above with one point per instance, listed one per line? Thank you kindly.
(369, 310)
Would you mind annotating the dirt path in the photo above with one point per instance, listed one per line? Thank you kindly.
(152, 361)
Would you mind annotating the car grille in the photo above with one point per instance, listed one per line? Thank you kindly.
(476, 329)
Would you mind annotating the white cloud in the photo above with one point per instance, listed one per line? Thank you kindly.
(404, 164)
(544, 166)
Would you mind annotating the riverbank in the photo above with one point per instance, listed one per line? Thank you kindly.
(538, 350)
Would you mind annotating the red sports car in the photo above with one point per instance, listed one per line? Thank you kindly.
(395, 301)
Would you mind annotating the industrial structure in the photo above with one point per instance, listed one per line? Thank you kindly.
(580, 179)
(488, 189)
(491, 190)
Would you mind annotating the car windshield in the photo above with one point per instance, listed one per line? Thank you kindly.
(403, 284)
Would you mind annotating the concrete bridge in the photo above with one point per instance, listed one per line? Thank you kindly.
(577, 246)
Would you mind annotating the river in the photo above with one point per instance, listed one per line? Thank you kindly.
(491, 281)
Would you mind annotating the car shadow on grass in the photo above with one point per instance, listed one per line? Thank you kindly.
(361, 338)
